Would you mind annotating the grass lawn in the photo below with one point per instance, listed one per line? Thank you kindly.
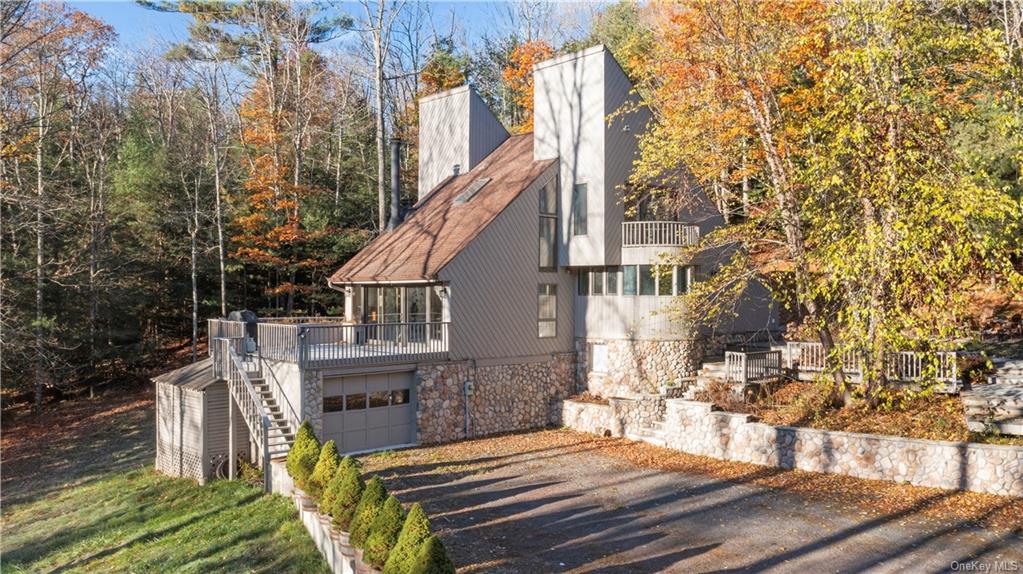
(129, 518)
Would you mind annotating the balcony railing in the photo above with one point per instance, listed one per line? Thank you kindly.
(325, 342)
(659, 234)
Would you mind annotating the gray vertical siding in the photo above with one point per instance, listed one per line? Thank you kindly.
(485, 131)
(443, 136)
(568, 122)
(218, 401)
(455, 127)
(493, 287)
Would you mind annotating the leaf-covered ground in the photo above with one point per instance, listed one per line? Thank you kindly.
(80, 495)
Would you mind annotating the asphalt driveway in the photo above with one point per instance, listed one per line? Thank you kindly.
(559, 501)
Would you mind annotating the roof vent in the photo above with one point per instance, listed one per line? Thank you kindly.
(456, 169)
(472, 190)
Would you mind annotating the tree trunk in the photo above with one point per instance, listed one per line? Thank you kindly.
(378, 81)
(39, 370)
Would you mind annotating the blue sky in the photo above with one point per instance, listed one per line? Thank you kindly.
(137, 26)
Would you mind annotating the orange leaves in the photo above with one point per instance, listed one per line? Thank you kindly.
(518, 76)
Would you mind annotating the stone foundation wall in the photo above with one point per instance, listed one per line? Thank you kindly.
(635, 368)
(312, 400)
(504, 398)
(695, 428)
(616, 418)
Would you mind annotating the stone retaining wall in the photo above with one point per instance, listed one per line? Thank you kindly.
(618, 417)
(504, 398)
(695, 428)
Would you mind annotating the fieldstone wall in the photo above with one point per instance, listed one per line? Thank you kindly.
(635, 368)
(312, 400)
(618, 417)
(503, 398)
(695, 428)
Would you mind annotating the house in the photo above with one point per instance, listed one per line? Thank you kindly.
(519, 278)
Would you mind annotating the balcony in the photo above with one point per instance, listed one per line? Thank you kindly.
(317, 342)
(644, 241)
(659, 234)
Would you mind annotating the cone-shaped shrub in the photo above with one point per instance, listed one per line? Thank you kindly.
(433, 559)
(413, 534)
(303, 455)
(331, 491)
(326, 464)
(383, 533)
(370, 504)
(349, 493)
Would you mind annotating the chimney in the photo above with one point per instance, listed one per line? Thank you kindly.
(395, 184)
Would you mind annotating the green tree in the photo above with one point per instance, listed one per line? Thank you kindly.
(413, 535)
(325, 468)
(433, 558)
(349, 494)
(304, 454)
(384, 533)
(371, 503)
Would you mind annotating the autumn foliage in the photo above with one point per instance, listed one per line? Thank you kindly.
(518, 76)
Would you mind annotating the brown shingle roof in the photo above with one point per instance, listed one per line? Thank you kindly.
(441, 227)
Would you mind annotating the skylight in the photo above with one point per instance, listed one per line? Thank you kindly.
(472, 190)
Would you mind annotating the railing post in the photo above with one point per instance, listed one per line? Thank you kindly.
(267, 478)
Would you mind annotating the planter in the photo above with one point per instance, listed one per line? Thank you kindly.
(344, 542)
(325, 520)
(361, 567)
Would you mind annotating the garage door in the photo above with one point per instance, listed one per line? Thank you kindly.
(373, 411)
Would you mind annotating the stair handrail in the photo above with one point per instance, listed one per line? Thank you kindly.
(264, 365)
(252, 411)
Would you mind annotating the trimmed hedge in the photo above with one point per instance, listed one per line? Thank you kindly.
(326, 464)
(433, 559)
(413, 535)
(303, 455)
(371, 503)
(383, 533)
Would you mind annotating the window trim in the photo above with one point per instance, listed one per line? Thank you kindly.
(551, 290)
(585, 211)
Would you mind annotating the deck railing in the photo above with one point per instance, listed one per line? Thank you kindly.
(752, 367)
(659, 233)
(350, 344)
(907, 366)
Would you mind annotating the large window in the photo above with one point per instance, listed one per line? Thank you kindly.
(629, 280)
(549, 225)
(584, 283)
(647, 280)
(611, 283)
(547, 310)
(579, 209)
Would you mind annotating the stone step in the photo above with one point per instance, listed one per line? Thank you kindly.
(656, 439)
(1011, 427)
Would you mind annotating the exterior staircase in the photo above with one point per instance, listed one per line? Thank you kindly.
(1007, 371)
(652, 433)
(280, 436)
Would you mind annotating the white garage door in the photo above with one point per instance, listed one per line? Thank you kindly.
(362, 412)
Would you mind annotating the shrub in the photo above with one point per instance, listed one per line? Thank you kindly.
(370, 504)
(413, 534)
(303, 455)
(326, 464)
(349, 493)
(383, 533)
(432, 559)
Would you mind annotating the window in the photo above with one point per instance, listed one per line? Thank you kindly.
(333, 404)
(597, 287)
(611, 283)
(629, 280)
(549, 225)
(399, 397)
(547, 310)
(579, 209)
(584, 283)
(379, 399)
(355, 402)
(647, 280)
(664, 280)
(681, 280)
